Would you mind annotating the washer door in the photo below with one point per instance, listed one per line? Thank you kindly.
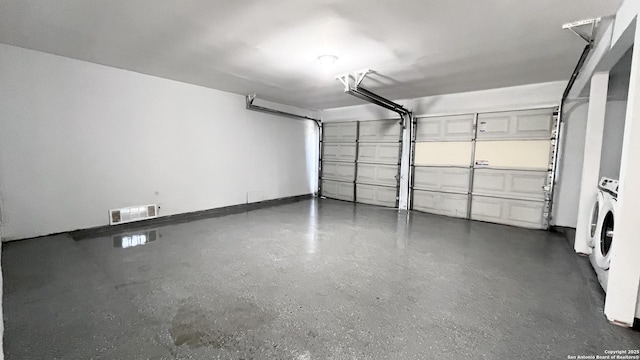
(604, 234)
(594, 220)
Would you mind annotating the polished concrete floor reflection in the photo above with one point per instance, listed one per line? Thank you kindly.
(317, 279)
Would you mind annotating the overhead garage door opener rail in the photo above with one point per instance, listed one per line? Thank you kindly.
(358, 91)
(352, 87)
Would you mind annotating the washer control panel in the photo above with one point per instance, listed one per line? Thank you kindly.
(609, 185)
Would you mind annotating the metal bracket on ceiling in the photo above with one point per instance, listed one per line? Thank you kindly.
(360, 75)
(366, 95)
(250, 99)
(592, 23)
(345, 79)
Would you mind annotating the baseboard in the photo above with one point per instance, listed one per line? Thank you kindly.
(107, 230)
(184, 217)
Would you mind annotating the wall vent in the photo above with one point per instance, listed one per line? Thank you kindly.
(133, 213)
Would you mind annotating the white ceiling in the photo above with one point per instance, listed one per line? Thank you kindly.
(416, 47)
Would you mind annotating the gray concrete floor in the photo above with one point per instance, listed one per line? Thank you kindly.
(311, 280)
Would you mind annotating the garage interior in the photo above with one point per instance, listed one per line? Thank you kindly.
(320, 179)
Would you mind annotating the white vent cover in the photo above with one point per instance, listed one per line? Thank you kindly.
(133, 213)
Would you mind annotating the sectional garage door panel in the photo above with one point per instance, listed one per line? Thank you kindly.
(513, 161)
(442, 179)
(339, 149)
(442, 164)
(529, 214)
(360, 161)
(510, 183)
(376, 195)
(378, 162)
(337, 190)
(528, 124)
(340, 132)
(443, 153)
(380, 131)
(339, 152)
(374, 174)
(338, 171)
(530, 154)
(441, 203)
(491, 167)
(379, 153)
(446, 128)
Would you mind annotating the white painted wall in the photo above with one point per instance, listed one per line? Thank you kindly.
(612, 138)
(77, 139)
(621, 303)
(567, 193)
(616, 111)
(512, 98)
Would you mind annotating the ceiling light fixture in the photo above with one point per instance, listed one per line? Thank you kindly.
(326, 60)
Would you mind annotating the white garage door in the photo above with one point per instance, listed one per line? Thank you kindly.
(493, 167)
(339, 147)
(378, 162)
(443, 153)
(513, 167)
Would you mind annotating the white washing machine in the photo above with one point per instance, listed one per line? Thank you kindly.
(595, 219)
(601, 228)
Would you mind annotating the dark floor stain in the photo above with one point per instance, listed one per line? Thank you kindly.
(217, 325)
(136, 282)
(131, 283)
